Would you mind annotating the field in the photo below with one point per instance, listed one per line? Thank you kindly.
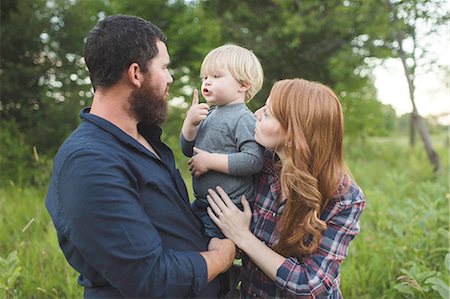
(402, 251)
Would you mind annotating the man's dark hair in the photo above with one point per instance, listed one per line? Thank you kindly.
(115, 43)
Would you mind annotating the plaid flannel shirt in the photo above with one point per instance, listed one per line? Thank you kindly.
(314, 276)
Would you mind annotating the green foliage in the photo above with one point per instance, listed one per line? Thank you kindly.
(405, 230)
(26, 228)
(322, 41)
(423, 282)
(401, 252)
(9, 272)
(19, 160)
(43, 81)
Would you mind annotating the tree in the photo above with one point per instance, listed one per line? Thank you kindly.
(407, 17)
(325, 41)
(43, 78)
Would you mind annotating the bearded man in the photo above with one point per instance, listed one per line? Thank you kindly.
(118, 203)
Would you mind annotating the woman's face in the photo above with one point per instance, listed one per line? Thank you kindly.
(268, 129)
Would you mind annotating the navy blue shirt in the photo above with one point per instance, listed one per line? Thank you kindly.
(123, 217)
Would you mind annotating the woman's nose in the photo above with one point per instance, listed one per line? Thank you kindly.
(258, 114)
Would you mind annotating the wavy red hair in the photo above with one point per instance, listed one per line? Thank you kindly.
(312, 124)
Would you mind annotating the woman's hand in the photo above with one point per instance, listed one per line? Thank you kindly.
(233, 223)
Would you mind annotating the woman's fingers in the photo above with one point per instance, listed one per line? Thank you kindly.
(213, 216)
(245, 203)
(214, 206)
(246, 206)
(217, 200)
(225, 198)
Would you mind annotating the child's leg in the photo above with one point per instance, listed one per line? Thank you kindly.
(210, 228)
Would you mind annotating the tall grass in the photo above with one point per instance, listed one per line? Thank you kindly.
(404, 239)
(400, 252)
(26, 227)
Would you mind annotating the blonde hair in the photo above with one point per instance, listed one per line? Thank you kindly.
(311, 119)
(242, 63)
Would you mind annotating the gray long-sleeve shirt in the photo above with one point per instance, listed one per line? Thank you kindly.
(230, 130)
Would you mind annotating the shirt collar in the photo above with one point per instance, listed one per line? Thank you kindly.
(151, 133)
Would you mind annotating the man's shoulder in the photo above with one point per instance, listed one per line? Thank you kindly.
(81, 138)
(85, 142)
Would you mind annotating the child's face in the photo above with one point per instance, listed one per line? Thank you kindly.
(221, 89)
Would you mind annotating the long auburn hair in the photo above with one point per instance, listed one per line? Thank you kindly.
(312, 123)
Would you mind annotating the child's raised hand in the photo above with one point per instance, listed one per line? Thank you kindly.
(197, 112)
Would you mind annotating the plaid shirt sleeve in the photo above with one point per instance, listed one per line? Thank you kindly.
(318, 274)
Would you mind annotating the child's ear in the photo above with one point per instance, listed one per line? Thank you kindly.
(244, 86)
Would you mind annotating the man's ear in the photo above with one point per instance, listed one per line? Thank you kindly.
(135, 76)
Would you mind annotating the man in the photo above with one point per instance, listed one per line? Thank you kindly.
(119, 205)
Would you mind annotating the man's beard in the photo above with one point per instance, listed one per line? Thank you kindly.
(147, 106)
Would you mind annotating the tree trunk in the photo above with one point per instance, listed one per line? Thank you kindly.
(416, 118)
(412, 132)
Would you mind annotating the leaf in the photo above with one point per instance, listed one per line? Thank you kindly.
(12, 257)
(447, 261)
(440, 286)
(404, 289)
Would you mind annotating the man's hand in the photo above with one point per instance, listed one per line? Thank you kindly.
(219, 257)
(199, 163)
(196, 113)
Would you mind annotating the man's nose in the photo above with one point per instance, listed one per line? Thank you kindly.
(170, 79)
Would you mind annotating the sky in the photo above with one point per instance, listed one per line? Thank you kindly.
(432, 94)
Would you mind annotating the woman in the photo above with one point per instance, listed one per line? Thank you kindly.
(307, 206)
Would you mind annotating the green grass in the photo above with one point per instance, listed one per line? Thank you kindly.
(400, 252)
(26, 227)
(404, 230)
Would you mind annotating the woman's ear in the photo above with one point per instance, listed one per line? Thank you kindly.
(135, 76)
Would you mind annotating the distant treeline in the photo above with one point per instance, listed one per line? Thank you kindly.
(44, 81)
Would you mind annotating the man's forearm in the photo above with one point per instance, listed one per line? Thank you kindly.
(219, 259)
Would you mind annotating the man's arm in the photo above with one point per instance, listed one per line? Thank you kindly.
(219, 257)
(105, 221)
